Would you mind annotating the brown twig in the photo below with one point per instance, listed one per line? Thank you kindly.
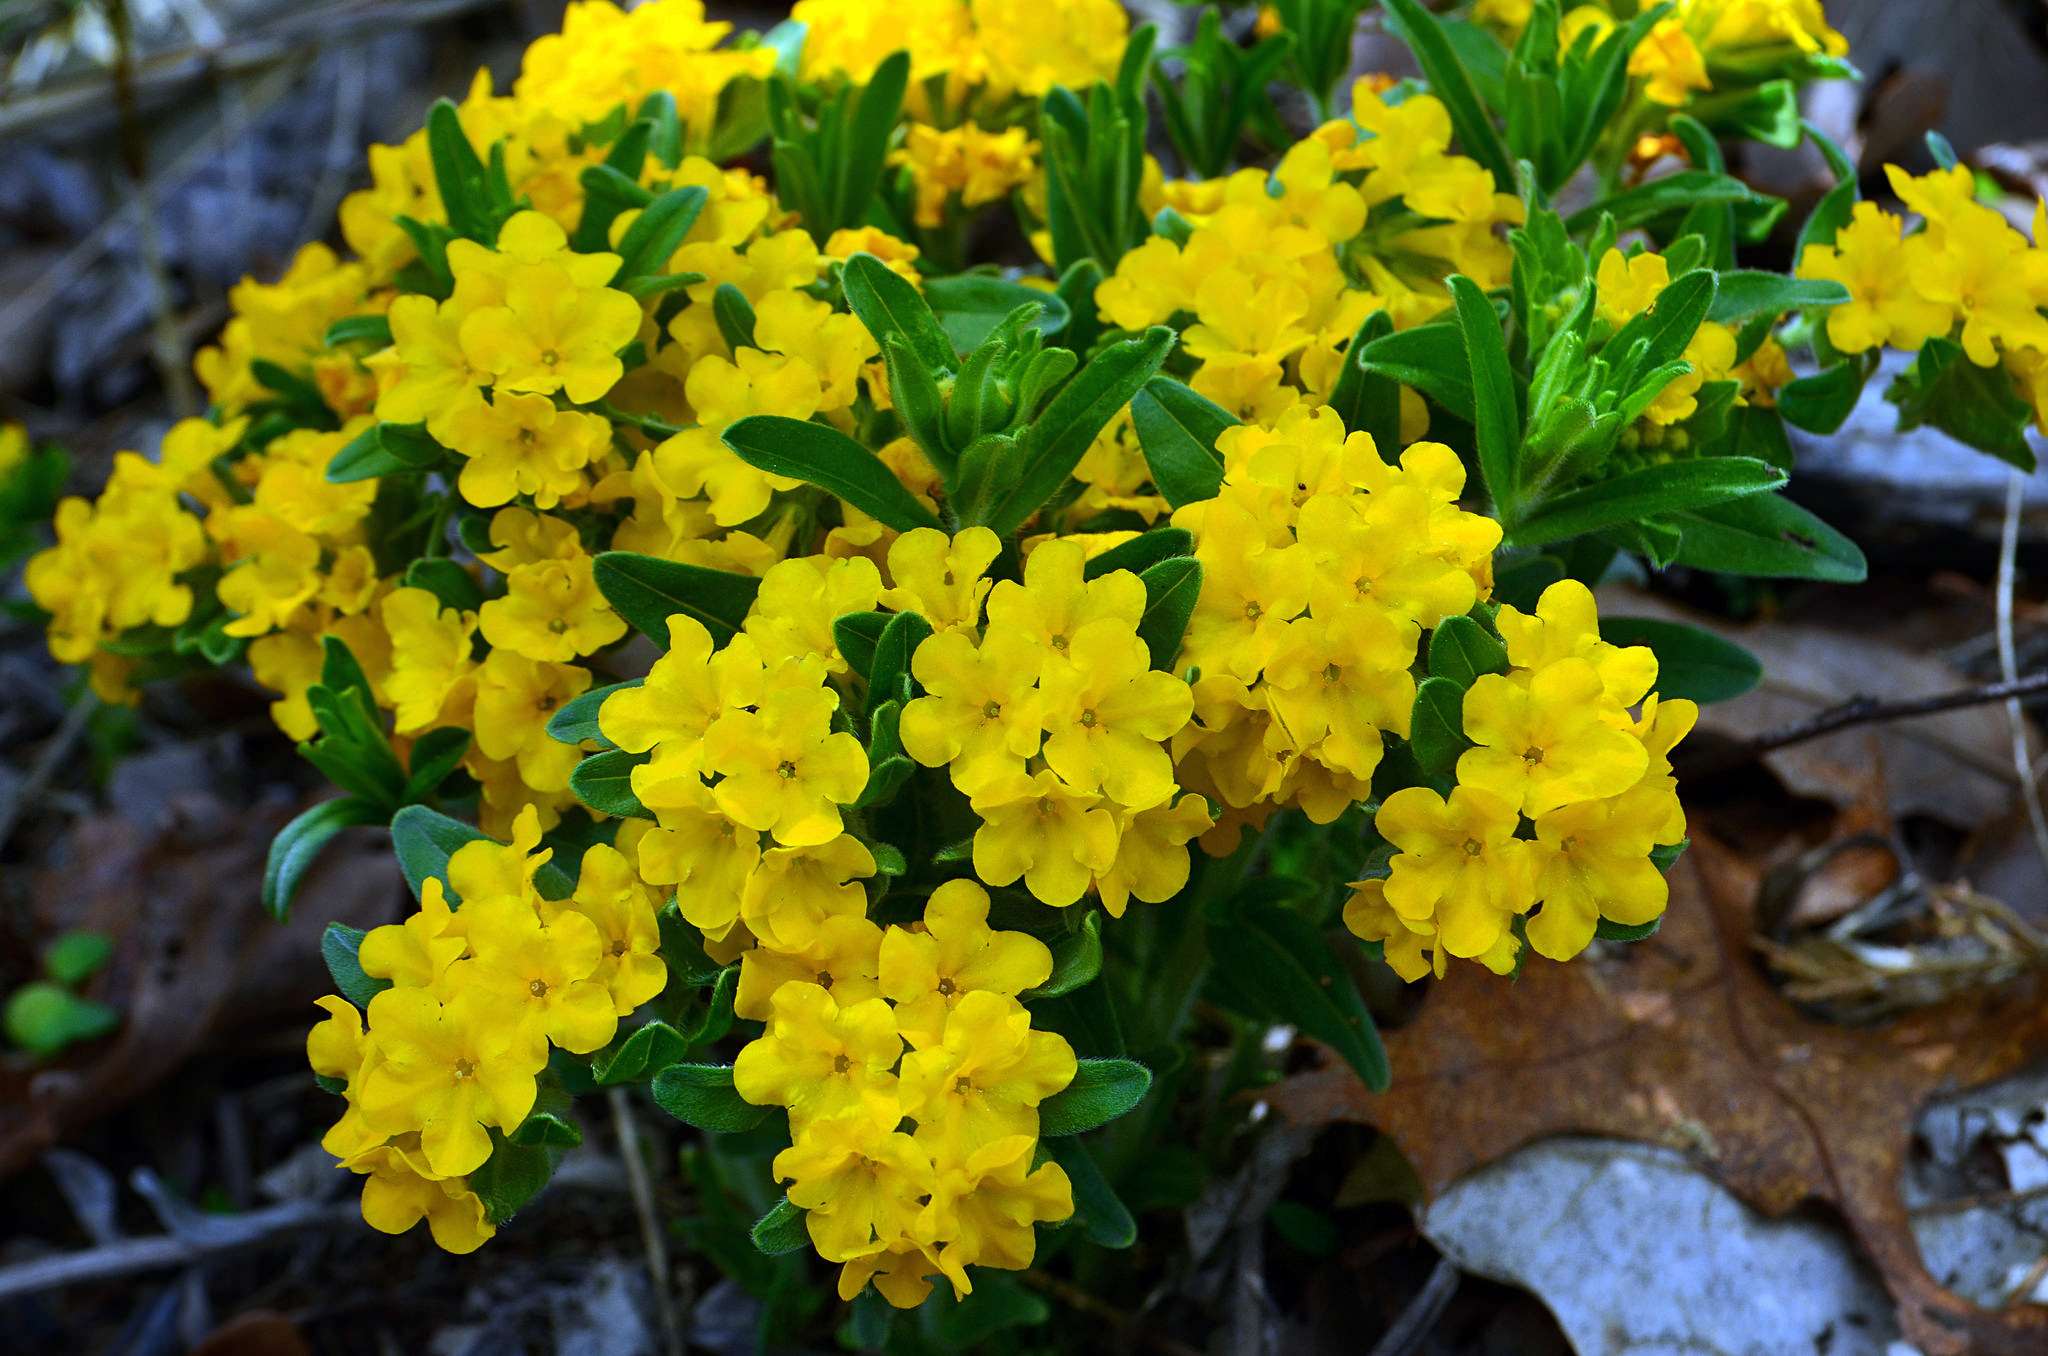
(1856, 711)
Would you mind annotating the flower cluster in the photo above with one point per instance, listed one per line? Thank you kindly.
(989, 51)
(1559, 803)
(1369, 213)
(1965, 274)
(476, 998)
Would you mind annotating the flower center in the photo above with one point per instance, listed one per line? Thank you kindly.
(1252, 611)
(824, 979)
(557, 626)
(1059, 643)
(787, 771)
(840, 1064)
(991, 710)
(619, 947)
(1532, 755)
(1088, 719)
(962, 1086)
(1331, 673)
(1473, 847)
(550, 357)
(464, 1069)
(539, 988)
(946, 987)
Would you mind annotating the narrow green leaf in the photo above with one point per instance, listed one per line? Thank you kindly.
(338, 947)
(1436, 728)
(1102, 1216)
(658, 232)
(1607, 930)
(576, 721)
(830, 460)
(433, 756)
(604, 781)
(899, 641)
(1770, 536)
(857, 634)
(859, 169)
(1178, 430)
(1673, 487)
(1062, 435)
(1745, 293)
(1821, 402)
(385, 450)
(643, 1054)
(374, 330)
(76, 956)
(1424, 34)
(1431, 358)
(735, 316)
(1498, 415)
(1460, 650)
(546, 1130)
(781, 1230)
(1172, 587)
(1141, 552)
(1368, 401)
(299, 844)
(702, 1095)
(647, 591)
(1280, 959)
(889, 306)
(969, 306)
(1693, 664)
(1633, 207)
(1102, 1090)
(1076, 960)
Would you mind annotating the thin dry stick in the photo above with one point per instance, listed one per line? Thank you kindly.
(52, 757)
(1857, 711)
(651, 1242)
(2008, 665)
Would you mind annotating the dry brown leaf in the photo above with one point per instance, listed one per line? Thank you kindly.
(194, 952)
(1681, 1041)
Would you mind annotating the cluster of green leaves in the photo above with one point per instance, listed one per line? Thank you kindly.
(29, 491)
(45, 1015)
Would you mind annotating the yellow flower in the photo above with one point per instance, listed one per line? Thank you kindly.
(1566, 625)
(940, 578)
(686, 692)
(799, 600)
(483, 869)
(1045, 831)
(448, 1071)
(1335, 684)
(1885, 303)
(795, 891)
(437, 381)
(1543, 739)
(862, 1181)
(786, 771)
(1597, 865)
(1628, 285)
(552, 611)
(835, 345)
(902, 1271)
(539, 974)
(982, 714)
(842, 955)
(1459, 865)
(925, 971)
(1250, 591)
(417, 952)
(610, 894)
(402, 1191)
(1105, 713)
(1378, 549)
(985, 1075)
(1410, 946)
(988, 1198)
(979, 166)
(1668, 57)
(431, 668)
(552, 335)
(821, 1060)
(523, 444)
(515, 699)
(335, 1046)
(707, 857)
(1151, 852)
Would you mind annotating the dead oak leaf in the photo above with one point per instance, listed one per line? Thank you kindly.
(1681, 1041)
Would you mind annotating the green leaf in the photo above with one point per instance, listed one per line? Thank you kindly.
(1172, 587)
(1665, 855)
(1282, 962)
(1663, 333)
(1672, 487)
(891, 308)
(735, 316)
(1102, 1090)
(1178, 431)
(900, 639)
(76, 956)
(1822, 401)
(717, 1018)
(576, 721)
(1634, 207)
(514, 1174)
(434, 755)
(374, 330)
(658, 232)
(1076, 960)
(1369, 401)
(1448, 81)
(1974, 405)
(425, 839)
(385, 450)
(1519, 583)
(1461, 650)
(1829, 216)
(857, 634)
(867, 130)
(1141, 552)
(299, 844)
(997, 1305)
(702, 1095)
(1767, 535)
(829, 459)
(1745, 293)
(642, 1055)
(1693, 664)
(1499, 416)
(1431, 358)
(1102, 1216)
(888, 767)
(459, 174)
(969, 306)
(781, 1230)
(604, 781)
(1436, 728)
(647, 591)
(338, 947)
(1060, 436)
(1607, 930)
(546, 1130)
(42, 1018)
(454, 586)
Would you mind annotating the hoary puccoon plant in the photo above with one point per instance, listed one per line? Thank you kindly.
(886, 616)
